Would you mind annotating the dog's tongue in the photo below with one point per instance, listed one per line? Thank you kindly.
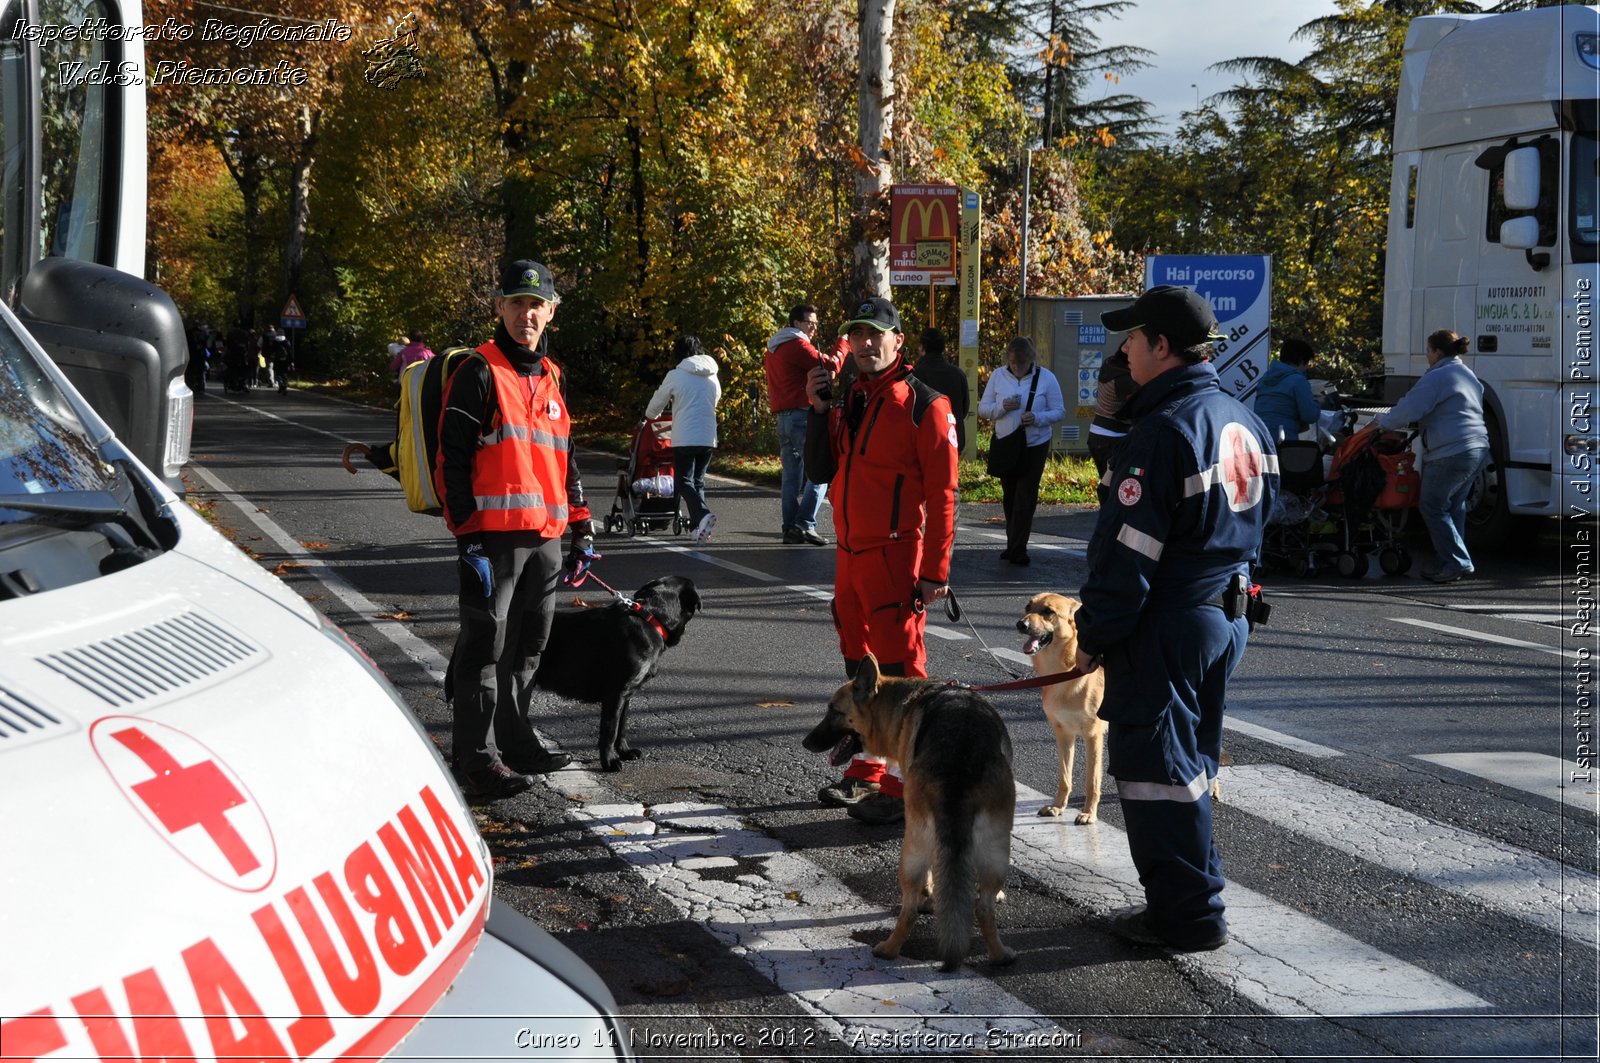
(847, 747)
(1031, 646)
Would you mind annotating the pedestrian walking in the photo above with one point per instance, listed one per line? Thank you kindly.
(1446, 405)
(934, 370)
(414, 350)
(1023, 399)
(1164, 606)
(510, 488)
(889, 451)
(791, 355)
(691, 391)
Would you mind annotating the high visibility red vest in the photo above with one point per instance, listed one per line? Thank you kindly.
(519, 472)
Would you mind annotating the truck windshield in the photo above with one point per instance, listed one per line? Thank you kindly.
(44, 447)
(1585, 226)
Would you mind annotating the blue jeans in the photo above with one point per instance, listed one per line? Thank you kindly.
(1446, 482)
(689, 465)
(801, 497)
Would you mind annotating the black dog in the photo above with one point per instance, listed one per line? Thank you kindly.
(606, 655)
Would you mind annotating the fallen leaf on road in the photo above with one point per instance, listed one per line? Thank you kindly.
(283, 569)
(774, 704)
(314, 545)
(398, 614)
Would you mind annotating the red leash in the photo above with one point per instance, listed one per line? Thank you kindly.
(1023, 684)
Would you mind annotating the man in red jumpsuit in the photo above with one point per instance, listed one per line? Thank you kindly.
(889, 452)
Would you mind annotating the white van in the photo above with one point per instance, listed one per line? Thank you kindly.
(225, 834)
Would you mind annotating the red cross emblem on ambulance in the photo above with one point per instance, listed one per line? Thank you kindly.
(193, 800)
(1241, 466)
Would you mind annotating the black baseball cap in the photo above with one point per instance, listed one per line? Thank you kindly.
(1180, 314)
(879, 313)
(525, 277)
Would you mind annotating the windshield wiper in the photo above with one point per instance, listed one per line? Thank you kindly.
(77, 507)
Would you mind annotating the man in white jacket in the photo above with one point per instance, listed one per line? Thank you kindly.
(691, 391)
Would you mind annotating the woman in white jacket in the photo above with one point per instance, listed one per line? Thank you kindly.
(691, 391)
(1026, 398)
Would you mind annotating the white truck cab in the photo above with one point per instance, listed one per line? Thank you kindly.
(1493, 233)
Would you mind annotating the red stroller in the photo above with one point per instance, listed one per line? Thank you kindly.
(1374, 486)
(646, 495)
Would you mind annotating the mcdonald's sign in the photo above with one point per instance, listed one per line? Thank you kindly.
(924, 224)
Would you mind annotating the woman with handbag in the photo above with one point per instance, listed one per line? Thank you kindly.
(1023, 400)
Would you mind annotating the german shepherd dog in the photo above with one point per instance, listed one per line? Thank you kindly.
(1071, 707)
(606, 655)
(956, 757)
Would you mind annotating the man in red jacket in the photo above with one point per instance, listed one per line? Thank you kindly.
(791, 355)
(889, 451)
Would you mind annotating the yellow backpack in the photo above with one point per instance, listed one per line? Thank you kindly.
(416, 444)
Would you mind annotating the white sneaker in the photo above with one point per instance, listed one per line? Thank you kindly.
(702, 531)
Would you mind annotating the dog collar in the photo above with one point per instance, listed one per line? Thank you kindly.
(651, 618)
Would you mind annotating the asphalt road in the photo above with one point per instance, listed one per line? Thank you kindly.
(1408, 876)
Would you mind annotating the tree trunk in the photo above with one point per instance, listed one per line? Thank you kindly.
(869, 220)
(300, 199)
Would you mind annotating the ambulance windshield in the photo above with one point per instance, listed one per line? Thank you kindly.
(45, 450)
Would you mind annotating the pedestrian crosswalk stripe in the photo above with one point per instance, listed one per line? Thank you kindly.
(812, 592)
(1520, 884)
(1278, 957)
(1535, 773)
(1278, 738)
(800, 927)
(1483, 636)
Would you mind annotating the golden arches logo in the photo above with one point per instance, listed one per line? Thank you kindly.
(924, 206)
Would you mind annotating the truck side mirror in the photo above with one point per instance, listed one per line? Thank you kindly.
(1521, 189)
(1520, 233)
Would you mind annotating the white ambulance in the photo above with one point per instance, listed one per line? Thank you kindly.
(225, 834)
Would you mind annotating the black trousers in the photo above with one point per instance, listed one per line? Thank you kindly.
(1019, 496)
(498, 648)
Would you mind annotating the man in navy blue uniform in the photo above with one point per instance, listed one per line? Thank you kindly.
(1163, 607)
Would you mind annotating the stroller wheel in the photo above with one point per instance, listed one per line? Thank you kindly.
(1352, 565)
(1394, 560)
(640, 527)
(614, 524)
(677, 526)
(1302, 567)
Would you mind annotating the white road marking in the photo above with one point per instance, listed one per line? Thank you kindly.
(1517, 883)
(275, 417)
(809, 934)
(945, 633)
(419, 650)
(1278, 738)
(1280, 958)
(804, 930)
(709, 559)
(1482, 636)
(812, 592)
(1535, 773)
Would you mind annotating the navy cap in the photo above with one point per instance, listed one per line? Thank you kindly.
(525, 277)
(1180, 314)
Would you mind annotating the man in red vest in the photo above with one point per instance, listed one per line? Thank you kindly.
(510, 488)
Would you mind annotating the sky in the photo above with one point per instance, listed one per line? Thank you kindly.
(1190, 35)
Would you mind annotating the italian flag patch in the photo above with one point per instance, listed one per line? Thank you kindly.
(1135, 471)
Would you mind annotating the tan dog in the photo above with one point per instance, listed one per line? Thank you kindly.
(1072, 706)
(960, 797)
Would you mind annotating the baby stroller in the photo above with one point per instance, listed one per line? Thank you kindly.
(646, 496)
(1375, 487)
(1339, 518)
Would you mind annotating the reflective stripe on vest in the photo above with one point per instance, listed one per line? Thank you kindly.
(519, 471)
